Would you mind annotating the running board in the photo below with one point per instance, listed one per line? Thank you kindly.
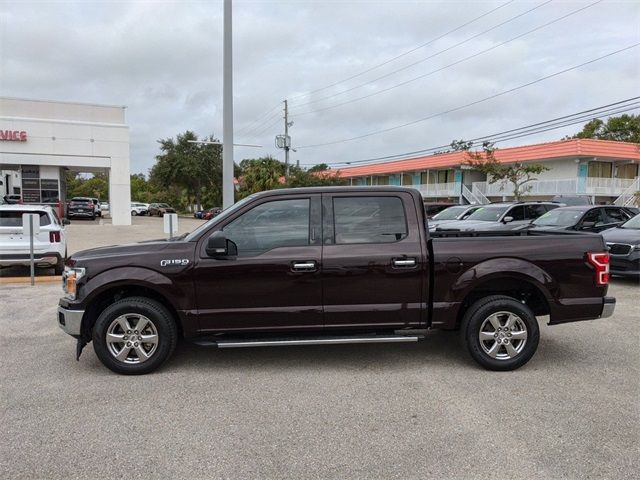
(280, 342)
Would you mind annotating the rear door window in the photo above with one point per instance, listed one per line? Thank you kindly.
(534, 211)
(369, 220)
(615, 215)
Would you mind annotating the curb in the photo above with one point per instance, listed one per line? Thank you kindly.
(21, 280)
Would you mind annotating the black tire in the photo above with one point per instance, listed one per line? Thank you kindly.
(58, 268)
(134, 213)
(162, 320)
(481, 312)
(93, 217)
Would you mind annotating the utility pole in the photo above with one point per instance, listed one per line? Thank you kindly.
(287, 143)
(227, 111)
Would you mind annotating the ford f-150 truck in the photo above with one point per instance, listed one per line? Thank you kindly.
(329, 266)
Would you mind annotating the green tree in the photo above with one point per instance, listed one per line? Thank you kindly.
(624, 128)
(518, 174)
(186, 172)
(259, 174)
(95, 186)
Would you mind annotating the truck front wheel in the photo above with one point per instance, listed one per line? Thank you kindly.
(500, 333)
(134, 336)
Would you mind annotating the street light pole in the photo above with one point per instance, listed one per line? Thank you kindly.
(227, 111)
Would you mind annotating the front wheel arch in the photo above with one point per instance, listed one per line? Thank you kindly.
(115, 293)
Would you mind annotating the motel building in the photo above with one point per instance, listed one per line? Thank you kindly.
(606, 171)
(41, 140)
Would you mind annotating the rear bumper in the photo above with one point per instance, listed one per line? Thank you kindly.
(577, 310)
(75, 213)
(608, 306)
(70, 321)
(47, 259)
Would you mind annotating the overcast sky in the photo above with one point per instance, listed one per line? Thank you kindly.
(163, 60)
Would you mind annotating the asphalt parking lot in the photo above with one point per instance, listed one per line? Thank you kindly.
(384, 411)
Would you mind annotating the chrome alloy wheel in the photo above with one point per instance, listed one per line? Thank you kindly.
(503, 335)
(132, 338)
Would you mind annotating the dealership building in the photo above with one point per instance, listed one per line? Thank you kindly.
(40, 140)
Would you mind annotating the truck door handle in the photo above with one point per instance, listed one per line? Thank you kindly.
(306, 266)
(404, 262)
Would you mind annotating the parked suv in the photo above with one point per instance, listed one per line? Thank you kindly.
(81, 207)
(589, 218)
(159, 209)
(96, 207)
(505, 216)
(139, 209)
(49, 246)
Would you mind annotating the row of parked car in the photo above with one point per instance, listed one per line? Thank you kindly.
(619, 225)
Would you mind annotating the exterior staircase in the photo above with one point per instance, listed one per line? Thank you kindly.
(628, 197)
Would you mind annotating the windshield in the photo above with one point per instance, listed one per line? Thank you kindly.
(163, 205)
(559, 218)
(633, 224)
(218, 218)
(488, 214)
(450, 213)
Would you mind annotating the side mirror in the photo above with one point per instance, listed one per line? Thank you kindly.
(586, 225)
(66, 221)
(219, 246)
(507, 219)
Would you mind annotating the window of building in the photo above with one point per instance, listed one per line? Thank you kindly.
(407, 179)
(630, 170)
(369, 220)
(280, 223)
(599, 170)
(381, 180)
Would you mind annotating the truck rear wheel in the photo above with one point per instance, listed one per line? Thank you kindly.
(500, 333)
(134, 336)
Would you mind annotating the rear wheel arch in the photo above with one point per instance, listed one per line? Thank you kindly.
(521, 289)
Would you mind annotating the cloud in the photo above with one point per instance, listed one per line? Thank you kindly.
(164, 61)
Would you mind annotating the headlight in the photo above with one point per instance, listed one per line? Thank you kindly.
(636, 247)
(70, 278)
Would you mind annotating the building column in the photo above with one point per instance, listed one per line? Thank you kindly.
(120, 191)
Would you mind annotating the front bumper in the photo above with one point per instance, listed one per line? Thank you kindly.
(608, 306)
(70, 321)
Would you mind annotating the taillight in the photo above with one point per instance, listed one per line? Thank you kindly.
(600, 262)
(54, 237)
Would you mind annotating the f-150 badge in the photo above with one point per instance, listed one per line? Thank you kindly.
(177, 261)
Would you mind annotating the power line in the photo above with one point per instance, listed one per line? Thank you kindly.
(477, 54)
(531, 129)
(504, 92)
(260, 125)
(258, 119)
(266, 128)
(435, 150)
(429, 57)
(402, 54)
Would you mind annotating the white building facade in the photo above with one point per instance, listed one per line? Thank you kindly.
(40, 140)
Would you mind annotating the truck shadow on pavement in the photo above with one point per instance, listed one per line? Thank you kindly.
(441, 349)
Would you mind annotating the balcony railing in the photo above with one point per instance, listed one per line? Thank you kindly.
(439, 189)
(569, 186)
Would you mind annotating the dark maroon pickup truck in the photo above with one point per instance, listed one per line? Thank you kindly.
(329, 266)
